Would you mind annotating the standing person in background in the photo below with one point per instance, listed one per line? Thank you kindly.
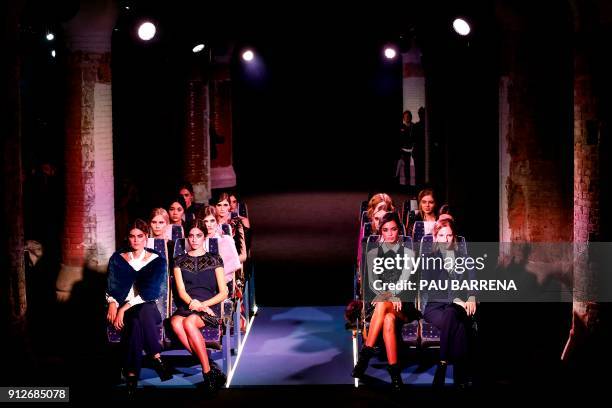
(191, 209)
(418, 152)
(405, 170)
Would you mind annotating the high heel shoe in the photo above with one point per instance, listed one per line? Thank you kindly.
(162, 369)
(219, 376)
(365, 355)
(396, 377)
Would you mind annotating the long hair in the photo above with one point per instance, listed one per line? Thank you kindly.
(428, 192)
(377, 199)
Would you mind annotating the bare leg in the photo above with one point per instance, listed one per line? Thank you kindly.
(390, 337)
(177, 326)
(193, 325)
(376, 324)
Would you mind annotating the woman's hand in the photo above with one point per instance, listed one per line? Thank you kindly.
(118, 322)
(195, 304)
(206, 309)
(397, 306)
(112, 312)
(470, 307)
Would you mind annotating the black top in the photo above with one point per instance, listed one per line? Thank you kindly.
(199, 277)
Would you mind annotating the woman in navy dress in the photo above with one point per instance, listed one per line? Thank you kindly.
(201, 287)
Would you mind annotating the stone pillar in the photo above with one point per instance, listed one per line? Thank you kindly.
(13, 286)
(222, 169)
(196, 142)
(89, 227)
(587, 180)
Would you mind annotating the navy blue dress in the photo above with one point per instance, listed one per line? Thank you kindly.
(200, 282)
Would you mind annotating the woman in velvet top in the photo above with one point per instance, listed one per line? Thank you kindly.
(450, 311)
(135, 277)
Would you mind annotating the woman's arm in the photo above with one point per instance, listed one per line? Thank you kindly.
(223, 292)
(182, 292)
(243, 251)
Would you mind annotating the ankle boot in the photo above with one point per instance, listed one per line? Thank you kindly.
(162, 369)
(209, 385)
(396, 377)
(131, 384)
(219, 376)
(440, 376)
(365, 355)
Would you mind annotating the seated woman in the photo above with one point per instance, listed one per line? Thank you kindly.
(176, 211)
(135, 278)
(159, 223)
(378, 205)
(448, 310)
(224, 216)
(389, 311)
(245, 220)
(227, 249)
(185, 190)
(200, 283)
(427, 212)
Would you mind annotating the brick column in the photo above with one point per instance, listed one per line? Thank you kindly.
(587, 183)
(196, 141)
(89, 227)
(222, 169)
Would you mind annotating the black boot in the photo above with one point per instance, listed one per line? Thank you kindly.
(440, 376)
(219, 376)
(365, 355)
(396, 377)
(162, 369)
(209, 386)
(131, 384)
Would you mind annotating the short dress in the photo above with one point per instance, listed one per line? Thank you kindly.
(200, 282)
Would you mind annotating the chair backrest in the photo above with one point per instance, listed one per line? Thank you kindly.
(177, 232)
(181, 246)
(367, 229)
(363, 207)
(363, 218)
(418, 231)
(242, 210)
(227, 229)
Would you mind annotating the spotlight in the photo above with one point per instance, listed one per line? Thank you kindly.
(461, 26)
(53, 53)
(50, 37)
(248, 55)
(198, 48)
(390, 52)
(146, 31)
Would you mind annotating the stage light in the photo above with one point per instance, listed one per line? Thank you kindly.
(198, 48)
(50, 36)
(248, 55)
(53, 53)
(146, 31)
(390, 52)
(461, 26)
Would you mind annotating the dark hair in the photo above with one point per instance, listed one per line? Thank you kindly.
(186, 185)
(388, 217)
(179, 200)
(426, 192)
(199, 224)
(222, 196)
(138, 224)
